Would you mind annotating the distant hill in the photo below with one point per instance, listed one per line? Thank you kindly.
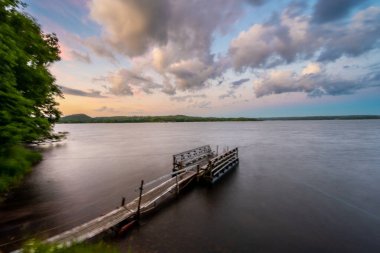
(83, 118)
(76, 118)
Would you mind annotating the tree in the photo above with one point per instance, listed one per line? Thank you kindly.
(28, 109)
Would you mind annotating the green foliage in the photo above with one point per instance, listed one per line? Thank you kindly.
(38, 247)
(27, 88)
(82, 118)
(14, 164)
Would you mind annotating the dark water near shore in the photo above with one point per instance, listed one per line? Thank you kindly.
(301, 186)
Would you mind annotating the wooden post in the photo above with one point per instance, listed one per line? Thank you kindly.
(123, 201)
(138, 207)
(176, 182)
(217, 150)
(209, 167)
(198, 169)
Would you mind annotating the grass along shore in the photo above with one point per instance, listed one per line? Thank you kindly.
(15, 164)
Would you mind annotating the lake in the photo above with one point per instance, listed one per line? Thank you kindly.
(301, 186)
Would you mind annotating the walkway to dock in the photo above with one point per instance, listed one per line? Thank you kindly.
(148, 201)
(197, 164)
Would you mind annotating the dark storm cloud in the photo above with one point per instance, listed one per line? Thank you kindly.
(330, 10)
(75, 92)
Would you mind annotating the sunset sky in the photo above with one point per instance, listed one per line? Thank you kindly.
(252, 58)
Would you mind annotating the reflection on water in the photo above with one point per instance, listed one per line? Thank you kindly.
(301, 186)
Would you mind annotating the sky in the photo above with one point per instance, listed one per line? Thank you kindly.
(226, 58)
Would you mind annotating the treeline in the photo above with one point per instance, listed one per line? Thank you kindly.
(345, 117)
(82, 118)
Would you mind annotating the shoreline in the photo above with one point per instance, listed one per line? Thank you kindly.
(83, 118)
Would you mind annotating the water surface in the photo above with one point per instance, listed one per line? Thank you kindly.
(301, 186)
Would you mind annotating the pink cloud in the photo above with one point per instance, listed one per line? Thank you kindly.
(65, 52)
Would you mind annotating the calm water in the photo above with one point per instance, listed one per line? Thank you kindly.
(301, 186)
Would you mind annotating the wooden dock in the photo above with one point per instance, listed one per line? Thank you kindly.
(199, 164)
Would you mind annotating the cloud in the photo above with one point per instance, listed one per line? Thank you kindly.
(64, 52)
(168, 88)
(314, 84)
(361, 35)
(191, 74)
(187, 98)
(204, 105)
(80, 57)
(120, 88)
(172, 40)
(106, 109)
(267, 45)
(375, 66)
(134, 25)
(99, 47)
(75, 92)
(171, 37)
(312, 68)
(231, 92)
(373, 78)
(351, 66)
(256, 2)
(291, 37)
(239, 82)
(201, 105)
(123, 81)
(327, 10)
(194, 101)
